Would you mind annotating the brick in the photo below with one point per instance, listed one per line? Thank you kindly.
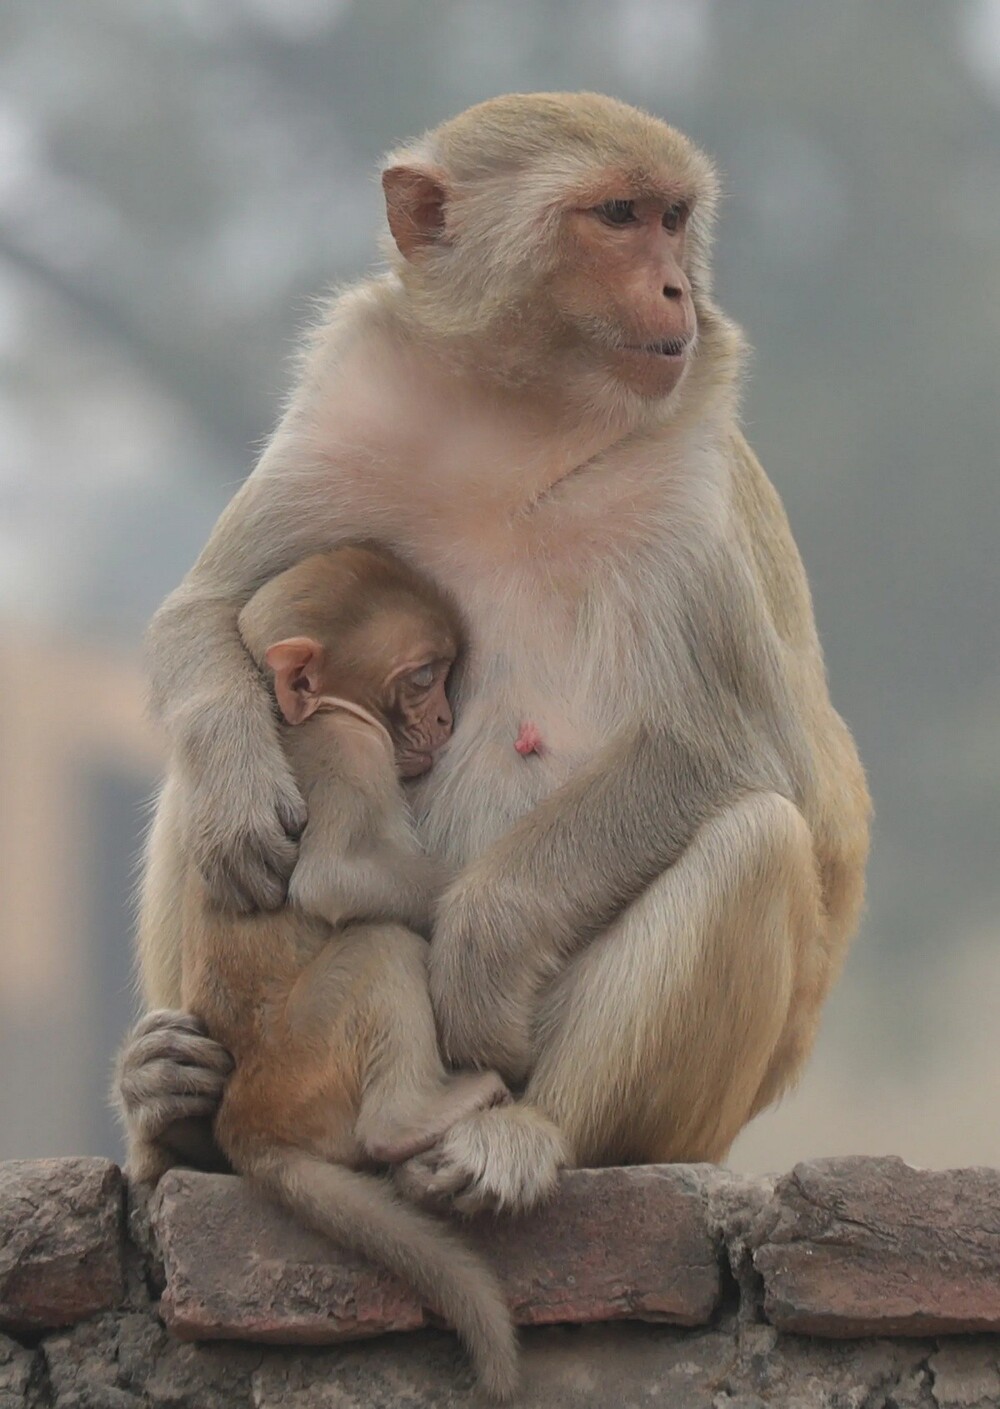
(618, 1366)
(17, 1370)
(61, 1241)
(614, 1244)
(966, 1374)
(238, 1268)
(862, 1247)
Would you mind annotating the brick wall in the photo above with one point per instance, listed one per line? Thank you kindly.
(847, 1284)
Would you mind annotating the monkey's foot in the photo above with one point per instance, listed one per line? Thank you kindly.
(391, 1140)
(504, 1160)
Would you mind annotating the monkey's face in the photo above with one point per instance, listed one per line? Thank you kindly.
(416, 708)
(622, 287)
(396, 662)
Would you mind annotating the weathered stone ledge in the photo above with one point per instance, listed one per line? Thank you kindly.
(62, 1255)
(617, 1244)
(849, 1282)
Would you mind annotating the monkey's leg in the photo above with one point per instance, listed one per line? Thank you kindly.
(654, 1042)
(408, 1099)
(397, 1123)
(818, 966)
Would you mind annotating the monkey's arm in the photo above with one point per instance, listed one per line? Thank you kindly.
(514, 917)
(374, 887)
(358, 859)
(244, 811)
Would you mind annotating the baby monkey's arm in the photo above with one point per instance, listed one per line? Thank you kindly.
(358, 857)
(373, 881)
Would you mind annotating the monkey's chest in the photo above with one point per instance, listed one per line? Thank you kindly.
(563, 604)
(483, 782)
(528, 715)
(551, 548)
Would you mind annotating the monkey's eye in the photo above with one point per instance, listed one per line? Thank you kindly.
(617, 212)
(422, 678)
(673, 217)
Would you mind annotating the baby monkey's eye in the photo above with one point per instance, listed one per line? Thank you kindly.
(422, 678)
(617, 212)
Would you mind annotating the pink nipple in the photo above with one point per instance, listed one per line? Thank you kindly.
(529, 740)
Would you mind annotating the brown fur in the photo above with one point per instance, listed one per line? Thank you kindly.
(323, 1004)
(649, 911)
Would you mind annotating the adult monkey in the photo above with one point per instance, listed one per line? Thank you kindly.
(537, 405)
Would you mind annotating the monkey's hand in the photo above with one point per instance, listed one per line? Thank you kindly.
(245, 815)
(169, 1080)
(483, 997)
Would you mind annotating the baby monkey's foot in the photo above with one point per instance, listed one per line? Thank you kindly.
(391, 1140)
(501, 1161)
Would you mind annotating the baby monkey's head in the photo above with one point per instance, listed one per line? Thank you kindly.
(358, 625)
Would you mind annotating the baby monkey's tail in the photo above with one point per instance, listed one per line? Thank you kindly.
(360, 1212)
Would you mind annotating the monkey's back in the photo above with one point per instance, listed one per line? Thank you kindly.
(837, 805)
(240, 976)
(237, 967)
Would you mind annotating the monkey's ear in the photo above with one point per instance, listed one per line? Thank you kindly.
(298, 665)
(415, 198)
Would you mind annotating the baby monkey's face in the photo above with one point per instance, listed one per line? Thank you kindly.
(386, 644)
(416, 709)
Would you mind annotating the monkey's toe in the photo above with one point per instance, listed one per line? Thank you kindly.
(429, 1179)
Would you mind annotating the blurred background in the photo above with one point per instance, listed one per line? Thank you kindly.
(179, 179)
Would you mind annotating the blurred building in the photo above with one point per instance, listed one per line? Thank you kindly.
(77, 764)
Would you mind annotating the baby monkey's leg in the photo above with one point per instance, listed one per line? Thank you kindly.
(408, 1099)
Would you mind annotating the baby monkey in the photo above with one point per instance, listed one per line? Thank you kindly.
(324, 1004)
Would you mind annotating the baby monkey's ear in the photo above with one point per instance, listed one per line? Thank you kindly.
(298, 666)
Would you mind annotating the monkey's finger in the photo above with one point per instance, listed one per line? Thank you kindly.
(155, 1122)
(432, 1178)
(254, 874)
(293, 815)
(472, 1199)
(412, 1177)
(160, 1080)
(157, 1082)
(280, 857)
(448, 1179)
(162, 1019)
(499, 1093)
(185, 1049)
(242, 883)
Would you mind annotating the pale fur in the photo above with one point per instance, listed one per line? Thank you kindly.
(653, 910)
